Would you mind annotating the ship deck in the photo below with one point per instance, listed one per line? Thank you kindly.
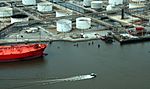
(15, 49)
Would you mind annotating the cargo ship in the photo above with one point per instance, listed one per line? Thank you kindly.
(21, 52)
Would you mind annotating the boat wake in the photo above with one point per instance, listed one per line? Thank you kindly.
(51, 81)
(75, 78)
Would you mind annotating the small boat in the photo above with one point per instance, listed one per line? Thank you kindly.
(93, 75)
(21, 52)
(107, 39)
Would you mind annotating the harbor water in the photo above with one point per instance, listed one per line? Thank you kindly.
(68, 65)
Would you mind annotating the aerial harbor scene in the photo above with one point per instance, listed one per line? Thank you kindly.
(74, 44)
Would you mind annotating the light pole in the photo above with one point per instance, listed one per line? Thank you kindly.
(17, 37)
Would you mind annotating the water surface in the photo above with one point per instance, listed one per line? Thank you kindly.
(117, 67)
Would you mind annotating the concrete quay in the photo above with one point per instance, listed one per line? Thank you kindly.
(123, 40)
(43, 36)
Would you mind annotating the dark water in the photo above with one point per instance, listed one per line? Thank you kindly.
(117, 67)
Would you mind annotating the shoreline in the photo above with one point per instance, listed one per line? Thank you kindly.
(50, 41)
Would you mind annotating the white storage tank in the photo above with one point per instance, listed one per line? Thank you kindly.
(29, 2)
(97, 4)
(87, 2)
(64, 25)
(19, 18)
(112, 8)
(115, 2)
(109, 8)
(135, 5)
(44, 7)
(6, 11)
(60, 13)
(83, 23)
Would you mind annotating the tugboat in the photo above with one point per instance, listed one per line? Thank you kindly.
(21, 52)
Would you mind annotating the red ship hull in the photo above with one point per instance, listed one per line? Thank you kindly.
(21, 52)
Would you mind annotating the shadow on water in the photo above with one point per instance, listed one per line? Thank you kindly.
(23, 63)
(133, 43)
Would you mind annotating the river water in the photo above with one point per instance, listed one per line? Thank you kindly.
(116, 66)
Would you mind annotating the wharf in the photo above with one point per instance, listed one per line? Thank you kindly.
(131, 40)
(6, 42)
(70, 37)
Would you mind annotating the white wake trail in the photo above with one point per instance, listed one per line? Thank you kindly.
(75, 78)
(51, 81)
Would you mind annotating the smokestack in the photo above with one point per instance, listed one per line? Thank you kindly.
(122, 13)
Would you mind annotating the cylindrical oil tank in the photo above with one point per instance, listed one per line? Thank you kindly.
(83, 23)
(29, 2)
(60, 13)
(135, 5)
(115, 2)
(97, 4)
(6, 11)
(87, 2)
(44, 7)
(64, 25)
(109, 8)
(19, 18)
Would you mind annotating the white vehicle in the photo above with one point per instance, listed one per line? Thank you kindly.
(32, 30)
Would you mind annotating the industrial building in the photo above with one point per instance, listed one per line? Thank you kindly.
(74, 20)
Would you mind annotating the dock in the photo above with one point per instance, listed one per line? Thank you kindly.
(131, 40)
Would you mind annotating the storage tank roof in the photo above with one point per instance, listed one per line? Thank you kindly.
(97, 2)
(5, 8)
(45, 3)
